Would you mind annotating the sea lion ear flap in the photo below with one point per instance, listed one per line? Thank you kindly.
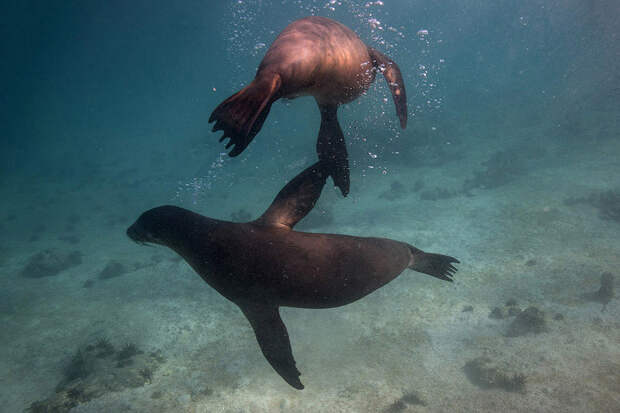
(395, 81)
(296, 199)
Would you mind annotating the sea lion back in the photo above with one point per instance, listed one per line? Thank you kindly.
(320, 57)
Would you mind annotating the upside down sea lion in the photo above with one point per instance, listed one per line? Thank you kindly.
(264, 264)
(312, 56)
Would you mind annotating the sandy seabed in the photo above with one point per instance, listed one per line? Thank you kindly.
(403, 348)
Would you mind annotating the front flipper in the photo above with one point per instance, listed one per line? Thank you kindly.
(395, 81)
(296, 199)
(242, 115)
(273, 341)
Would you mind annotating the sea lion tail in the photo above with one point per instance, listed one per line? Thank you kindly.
(438, 265)
(242, 115)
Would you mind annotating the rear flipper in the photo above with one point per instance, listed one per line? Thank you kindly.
(242, 115)
(332, 149)
(437, 265)
(395, 81)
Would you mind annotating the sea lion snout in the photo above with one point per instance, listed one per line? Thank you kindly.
(145, 227)
(138, 235)
(161, 224)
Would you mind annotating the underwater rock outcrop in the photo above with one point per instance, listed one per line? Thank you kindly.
(607, 203)
(485, 373)
(510, 309)
(500, 169)
(605, 293)
(98, 369)
(531, 320)
(397, 191)
(401, 404)
(50, 262)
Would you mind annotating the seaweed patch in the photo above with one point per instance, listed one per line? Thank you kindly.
(411, 398)
(486, 374)
(529, 321)
(93, 371)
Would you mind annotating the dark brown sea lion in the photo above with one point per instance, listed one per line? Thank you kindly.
(312, 56)
(264, 264)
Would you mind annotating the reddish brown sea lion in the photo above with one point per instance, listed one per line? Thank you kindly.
(312, 56)
(264, 264)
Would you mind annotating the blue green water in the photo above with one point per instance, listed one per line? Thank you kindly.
(509, 162)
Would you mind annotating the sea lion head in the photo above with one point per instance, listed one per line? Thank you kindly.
(154, 225)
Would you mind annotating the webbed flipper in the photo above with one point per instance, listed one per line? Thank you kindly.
(296, 199)
(395, 81)
(273, 341)
(332, 149)
(242, 115)
(438, 265)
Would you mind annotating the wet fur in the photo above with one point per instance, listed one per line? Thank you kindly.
(312, 56)
(264, 264)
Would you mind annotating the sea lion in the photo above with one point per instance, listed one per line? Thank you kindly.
(313, 56)
(264, 264)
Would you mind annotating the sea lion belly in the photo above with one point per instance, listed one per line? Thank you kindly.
(296, 269)
(332, 270)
